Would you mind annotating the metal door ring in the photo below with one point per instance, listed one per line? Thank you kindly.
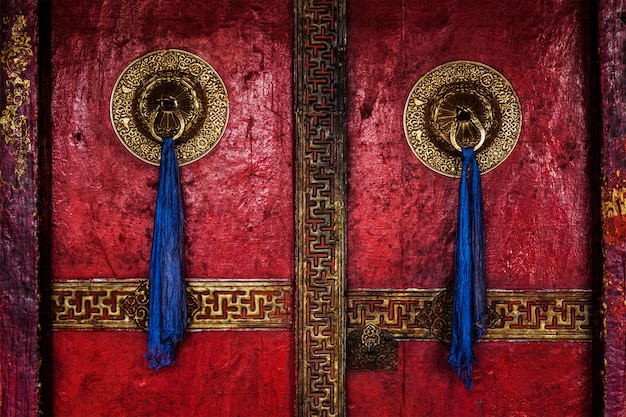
(458, 105)
(169, 93)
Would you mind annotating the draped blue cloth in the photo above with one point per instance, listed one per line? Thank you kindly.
(469, 304)
(168, 295)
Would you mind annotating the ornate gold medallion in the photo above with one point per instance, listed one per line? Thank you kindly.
(169, 93)
(462, 104)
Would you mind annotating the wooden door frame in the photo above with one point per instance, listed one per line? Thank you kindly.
(319, 105)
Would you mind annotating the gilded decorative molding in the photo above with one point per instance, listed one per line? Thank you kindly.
(15, 58)
(215, 304)
(513, 315)
(319, 71)
(136, 305)
(541, 315)
(421, 314)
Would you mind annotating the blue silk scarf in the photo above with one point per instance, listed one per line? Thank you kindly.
(469, 306)
(168, 296)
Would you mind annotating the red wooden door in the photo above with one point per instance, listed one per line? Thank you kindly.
(238, 201)
(241, 356)
(537, 358)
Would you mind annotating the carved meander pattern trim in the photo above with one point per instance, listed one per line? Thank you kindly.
(265, 304)
(513, 315)
(319, 91)
(219, 304)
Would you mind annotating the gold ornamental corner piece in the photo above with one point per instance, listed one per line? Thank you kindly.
(169, 93)
(462, 104)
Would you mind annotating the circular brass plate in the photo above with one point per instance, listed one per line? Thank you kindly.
(430, 111)
(183, 78)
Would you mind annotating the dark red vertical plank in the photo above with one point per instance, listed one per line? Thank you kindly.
(19, 253)
(612, 35)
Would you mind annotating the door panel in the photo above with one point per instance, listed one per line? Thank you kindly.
(234, 198)
(238, 205)
(400, 222)
(402, 216)
(536, 359)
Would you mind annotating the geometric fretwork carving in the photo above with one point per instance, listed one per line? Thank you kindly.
(521, 315)
(407, 314)
(211, 304)
(319, 89)
(541, 315)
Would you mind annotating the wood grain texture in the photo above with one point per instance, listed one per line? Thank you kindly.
(612, 38)
(19, 250)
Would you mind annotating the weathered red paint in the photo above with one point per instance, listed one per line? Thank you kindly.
(238, 202)
(239, 221)
(226, 374)
(19, 251)
(525, 379)
(538, 214)
(402, 215)
(612, 35)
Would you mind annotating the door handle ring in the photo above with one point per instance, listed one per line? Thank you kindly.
(455, 126)
(181, 122)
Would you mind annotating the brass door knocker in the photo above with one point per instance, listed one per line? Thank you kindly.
(462, 104)
(463, 119)
(167, 111)
(169, 93)
(464, 115)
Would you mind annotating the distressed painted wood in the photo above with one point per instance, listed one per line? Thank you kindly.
(19, 250)
(612, 50)
(320, 206)
(20, 212)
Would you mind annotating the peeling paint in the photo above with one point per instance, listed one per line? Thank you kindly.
(616, 204)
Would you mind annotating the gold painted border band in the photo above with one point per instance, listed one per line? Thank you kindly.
(320, 130)
(514, 315)
(221, 304)
(266, 304)
(16, 56)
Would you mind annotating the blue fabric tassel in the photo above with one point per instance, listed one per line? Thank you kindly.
(469, 303)
(479, 288)
(168, 295)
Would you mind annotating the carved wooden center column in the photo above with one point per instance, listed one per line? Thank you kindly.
(320, 206)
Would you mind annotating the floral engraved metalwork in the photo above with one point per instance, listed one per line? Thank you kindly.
(15, 57)
(166, 92)
(476, 97)
(371, 349)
